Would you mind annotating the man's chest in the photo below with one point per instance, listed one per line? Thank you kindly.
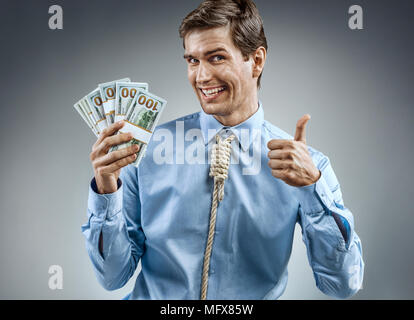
(176, 201)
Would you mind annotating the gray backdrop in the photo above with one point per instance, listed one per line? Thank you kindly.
(357, 85)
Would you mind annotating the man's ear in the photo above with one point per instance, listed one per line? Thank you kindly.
(259, 59)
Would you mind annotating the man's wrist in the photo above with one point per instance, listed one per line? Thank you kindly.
(317, 176)
(106, 187)
(104, 205)
(95, 187)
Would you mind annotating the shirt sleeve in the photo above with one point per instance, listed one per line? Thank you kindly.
(117, 216)
(333, 247)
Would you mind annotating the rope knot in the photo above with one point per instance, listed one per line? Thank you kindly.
(220, 162)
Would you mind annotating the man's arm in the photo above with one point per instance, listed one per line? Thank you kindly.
(114, 224)
(113, 233)
(333, 247)
(336, 261)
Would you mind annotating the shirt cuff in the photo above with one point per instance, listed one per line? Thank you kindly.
(309, 199)
(106, 205)
(314, 197)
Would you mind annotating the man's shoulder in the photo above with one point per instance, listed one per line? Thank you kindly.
(277, 133)
(189, 119)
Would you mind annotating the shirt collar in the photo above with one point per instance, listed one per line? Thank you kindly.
(210, 126)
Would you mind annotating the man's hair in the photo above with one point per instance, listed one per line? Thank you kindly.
(246, 25)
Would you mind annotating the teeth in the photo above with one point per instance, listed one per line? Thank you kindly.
(212, 91)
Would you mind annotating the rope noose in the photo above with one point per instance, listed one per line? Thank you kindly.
(220, 161)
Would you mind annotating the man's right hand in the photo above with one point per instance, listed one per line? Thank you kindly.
(107, 166)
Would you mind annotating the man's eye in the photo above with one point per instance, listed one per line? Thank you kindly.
(192, 60)
(217, 58)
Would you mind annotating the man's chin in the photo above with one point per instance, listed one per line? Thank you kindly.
(213, 108)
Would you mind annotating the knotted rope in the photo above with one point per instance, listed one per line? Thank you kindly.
(220, 161)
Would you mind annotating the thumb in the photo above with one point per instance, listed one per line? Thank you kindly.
(300, 134)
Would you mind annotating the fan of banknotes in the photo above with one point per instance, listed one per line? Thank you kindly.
(123, 100)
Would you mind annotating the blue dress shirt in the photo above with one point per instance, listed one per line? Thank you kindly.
(160, 214)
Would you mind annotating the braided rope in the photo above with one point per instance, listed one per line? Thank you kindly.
(220, 161)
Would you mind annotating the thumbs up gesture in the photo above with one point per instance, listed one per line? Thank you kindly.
(290, 160)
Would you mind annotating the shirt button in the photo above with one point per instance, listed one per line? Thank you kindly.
(212, 271)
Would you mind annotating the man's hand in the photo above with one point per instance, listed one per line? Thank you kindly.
(290, 159)
(107, 166)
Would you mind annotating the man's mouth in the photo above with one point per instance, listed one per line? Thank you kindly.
(211, 93)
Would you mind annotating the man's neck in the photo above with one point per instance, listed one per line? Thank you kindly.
(238, 116)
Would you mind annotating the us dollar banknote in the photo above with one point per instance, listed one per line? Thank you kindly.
(141, 119)
(125, 93)
(83, 107)
(108, 94)
(140, 109)
(95, 101)
(83, 113)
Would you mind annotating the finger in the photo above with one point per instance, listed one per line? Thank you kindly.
(114, 166)
(300, 134)
(279, 154)
(116, 155)
(111, 130)
(279, 173)
(285, 175)
(111, 141)
(278, 164)
(279, 144)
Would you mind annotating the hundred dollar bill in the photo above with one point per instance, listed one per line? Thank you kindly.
(87, 111)
(83, 113)
(108, 94)
(142, 117)
(125, 93)
(95, 101)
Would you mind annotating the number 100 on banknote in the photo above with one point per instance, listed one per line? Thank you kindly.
(143, 115)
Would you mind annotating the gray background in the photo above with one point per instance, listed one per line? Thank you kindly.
(357, 85)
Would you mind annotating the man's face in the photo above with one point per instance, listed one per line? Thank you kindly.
(222, 80)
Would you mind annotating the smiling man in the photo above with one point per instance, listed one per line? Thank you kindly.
(223, 79)
(211, 230)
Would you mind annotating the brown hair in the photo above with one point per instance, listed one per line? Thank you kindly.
(246, 25)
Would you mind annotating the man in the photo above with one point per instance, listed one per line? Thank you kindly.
(225, 233)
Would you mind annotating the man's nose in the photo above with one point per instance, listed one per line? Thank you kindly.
(203, 73)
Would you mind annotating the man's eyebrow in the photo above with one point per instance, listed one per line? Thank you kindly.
(214, 51)
(189, 56)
